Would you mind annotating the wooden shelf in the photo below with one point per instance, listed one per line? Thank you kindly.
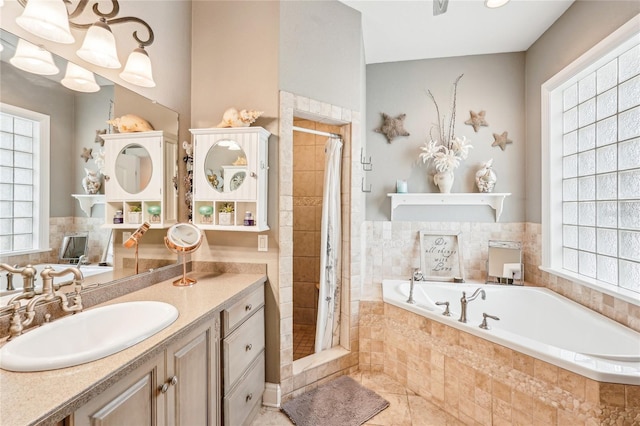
(495, 200)
(87, 201)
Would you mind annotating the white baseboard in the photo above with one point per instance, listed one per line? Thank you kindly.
(272, 396)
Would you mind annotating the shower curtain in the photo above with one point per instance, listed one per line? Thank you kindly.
(328, 321)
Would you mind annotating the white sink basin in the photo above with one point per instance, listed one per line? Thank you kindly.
(86, 336)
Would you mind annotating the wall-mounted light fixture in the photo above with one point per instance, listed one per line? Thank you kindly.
(495, 3)
(33, 59)
(79, 79)
(50, 19)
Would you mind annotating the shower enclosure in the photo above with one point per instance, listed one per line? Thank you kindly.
(317, 235)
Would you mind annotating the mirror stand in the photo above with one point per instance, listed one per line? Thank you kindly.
(504, 263)
(183, 238)
(134, 239)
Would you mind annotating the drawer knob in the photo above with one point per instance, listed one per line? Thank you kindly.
(248, 307)
(164, 388)
(173, 381)
(249, 397)
(248, 347)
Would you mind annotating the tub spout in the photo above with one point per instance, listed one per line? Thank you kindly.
(464, 301)
(416, 276)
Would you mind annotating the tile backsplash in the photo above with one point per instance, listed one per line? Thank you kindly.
(58, 228)
(393, 249)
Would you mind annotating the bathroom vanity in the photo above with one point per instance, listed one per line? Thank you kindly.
(205, 368)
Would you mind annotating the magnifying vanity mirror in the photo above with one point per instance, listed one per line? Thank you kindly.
(183, 238)
(133, 168)
(226, 166)
(504, 263)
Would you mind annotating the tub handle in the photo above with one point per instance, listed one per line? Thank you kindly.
(484, 324)
(446, 312)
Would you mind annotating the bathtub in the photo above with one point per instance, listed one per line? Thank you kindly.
(87, 271)
(534, 321)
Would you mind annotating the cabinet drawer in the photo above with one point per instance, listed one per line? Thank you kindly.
(241, 348)
(242, 309)
(240, 403)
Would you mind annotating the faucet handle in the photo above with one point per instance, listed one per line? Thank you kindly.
(417, 274)
(446, 309)
(484, 324)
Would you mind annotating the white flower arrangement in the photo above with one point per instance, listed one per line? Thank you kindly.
(446, 150)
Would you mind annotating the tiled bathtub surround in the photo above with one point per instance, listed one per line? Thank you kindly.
(58, 227)
(484, 383)
(393, 249)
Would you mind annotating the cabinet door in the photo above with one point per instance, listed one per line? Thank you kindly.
(192, 375)
(230, 162)
(135, 400)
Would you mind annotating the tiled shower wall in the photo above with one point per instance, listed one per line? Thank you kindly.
(58, 228)
(393, 249)
(308, 186)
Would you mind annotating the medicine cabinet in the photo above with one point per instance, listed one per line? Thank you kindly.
(139, 170)
(230, 171)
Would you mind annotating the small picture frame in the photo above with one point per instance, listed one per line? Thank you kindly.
(441, 256)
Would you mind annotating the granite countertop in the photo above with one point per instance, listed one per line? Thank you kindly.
(49, 396)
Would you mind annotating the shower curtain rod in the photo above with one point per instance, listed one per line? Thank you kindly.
(317, 132)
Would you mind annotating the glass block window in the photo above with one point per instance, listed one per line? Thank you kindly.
(20, 210)
(601, 172)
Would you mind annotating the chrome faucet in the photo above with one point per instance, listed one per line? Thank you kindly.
(464, 301)
(50, 291)
(82, 260)
(416, 276)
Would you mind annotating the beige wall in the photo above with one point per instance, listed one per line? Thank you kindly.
(581, 27)
(235, 64)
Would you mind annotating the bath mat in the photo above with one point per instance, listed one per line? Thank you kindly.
(340, 402)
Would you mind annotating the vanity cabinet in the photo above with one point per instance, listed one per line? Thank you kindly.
(139, 177)
(179, 386)
(230, 174)
(243, 362)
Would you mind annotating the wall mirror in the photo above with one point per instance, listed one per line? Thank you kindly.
(226, 166)
(504, 263)
(75, 118)
(134, 168)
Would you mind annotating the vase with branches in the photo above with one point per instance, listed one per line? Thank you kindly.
(444, 149)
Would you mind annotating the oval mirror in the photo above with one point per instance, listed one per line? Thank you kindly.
(133, 168)
(225, 166)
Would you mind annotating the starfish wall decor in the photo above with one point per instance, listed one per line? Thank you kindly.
(477, 120)
(501, 140)
(392, 127)
(86, 154)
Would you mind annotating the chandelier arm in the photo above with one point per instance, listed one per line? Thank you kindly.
(114, 11)
(141, 42)
(82, 5)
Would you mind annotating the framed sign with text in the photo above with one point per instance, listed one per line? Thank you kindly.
(441, 256)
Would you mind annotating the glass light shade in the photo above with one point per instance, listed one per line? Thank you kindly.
(99, 46)
(495, 3)
(138, 69)
(47, 19)
(79, 79)
(33, 59)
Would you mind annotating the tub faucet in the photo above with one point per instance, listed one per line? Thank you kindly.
(416, 276)
(28, 276)
(464, 301)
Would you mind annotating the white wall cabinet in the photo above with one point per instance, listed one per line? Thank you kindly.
(179, 386)
(139, 175)
(230, 169)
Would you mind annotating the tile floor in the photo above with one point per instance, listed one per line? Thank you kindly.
(304, 337)
(405, 407)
